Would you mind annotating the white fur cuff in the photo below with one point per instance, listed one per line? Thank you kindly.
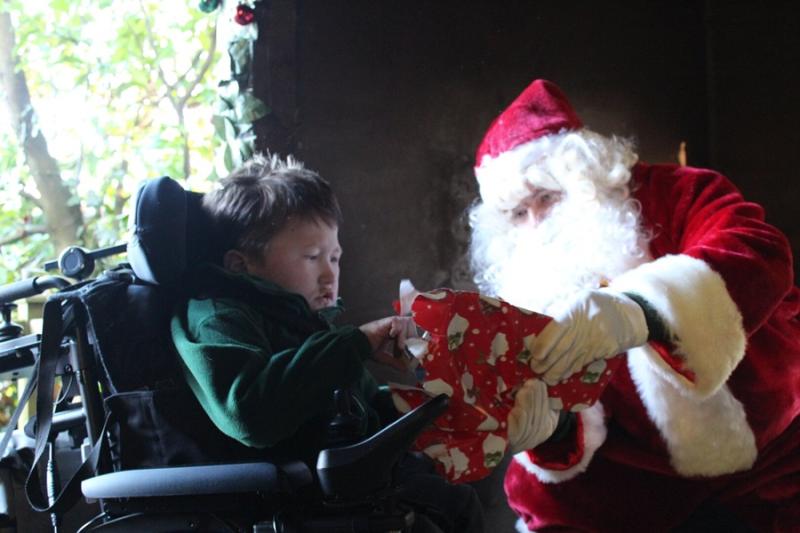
(594, 435)
(695, 305)
(705, 437)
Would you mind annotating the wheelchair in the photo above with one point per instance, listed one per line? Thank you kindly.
(155, 462)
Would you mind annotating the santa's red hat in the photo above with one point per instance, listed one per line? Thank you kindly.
(541, 109)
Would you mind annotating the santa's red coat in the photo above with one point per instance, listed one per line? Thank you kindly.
(714, 420)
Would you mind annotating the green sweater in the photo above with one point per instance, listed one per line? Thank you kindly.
(264, 366)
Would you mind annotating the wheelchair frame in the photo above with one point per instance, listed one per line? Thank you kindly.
(351, 488)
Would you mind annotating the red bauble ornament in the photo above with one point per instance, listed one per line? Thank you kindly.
(244, 14)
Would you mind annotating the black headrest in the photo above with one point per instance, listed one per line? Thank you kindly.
(170, 231)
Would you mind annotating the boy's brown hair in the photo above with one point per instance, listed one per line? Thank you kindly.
(259, 198)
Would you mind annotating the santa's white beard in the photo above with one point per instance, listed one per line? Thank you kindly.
(583, 243)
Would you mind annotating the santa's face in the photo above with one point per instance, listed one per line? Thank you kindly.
(535, 207)
(546, 244)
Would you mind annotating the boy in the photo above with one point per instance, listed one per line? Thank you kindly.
(256, 339)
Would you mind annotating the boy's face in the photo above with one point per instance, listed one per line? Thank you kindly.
(303, 258)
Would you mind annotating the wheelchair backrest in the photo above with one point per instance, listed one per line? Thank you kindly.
(130, 319)
(139, 410)
(159, 421)
(125, 314)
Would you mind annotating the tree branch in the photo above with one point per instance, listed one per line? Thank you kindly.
(152, 42)
(63, 219)
(187, 166)
(120, 198)
(206, 65)
(35, 201)
(23, 233)
(177, 100)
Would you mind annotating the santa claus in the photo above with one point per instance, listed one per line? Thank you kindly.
(672, 266)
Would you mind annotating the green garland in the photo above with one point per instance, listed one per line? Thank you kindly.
(237, 107)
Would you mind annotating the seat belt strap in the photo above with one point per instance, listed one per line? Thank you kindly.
(52, 333)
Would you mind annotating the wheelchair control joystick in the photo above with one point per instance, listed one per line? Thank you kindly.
(345, 427)
(9, 330)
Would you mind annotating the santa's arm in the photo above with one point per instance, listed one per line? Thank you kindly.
(721, 271)
(724, 272)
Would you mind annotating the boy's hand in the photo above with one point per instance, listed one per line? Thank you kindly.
(383, 333)
(391, 327)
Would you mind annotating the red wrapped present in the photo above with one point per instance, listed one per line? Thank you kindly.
(478, 350)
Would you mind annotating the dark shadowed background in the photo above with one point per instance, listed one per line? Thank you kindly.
(389, 100)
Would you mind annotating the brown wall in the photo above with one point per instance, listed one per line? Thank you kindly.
(389, 100)
(754, 73)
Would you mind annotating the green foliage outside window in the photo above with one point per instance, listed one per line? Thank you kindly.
(121, 92)
(118, 92)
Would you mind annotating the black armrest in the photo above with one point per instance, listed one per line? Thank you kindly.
(361, 469)
(234, 478)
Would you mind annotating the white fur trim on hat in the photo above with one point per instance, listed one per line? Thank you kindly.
(502, 178)
(698, 310)
(706, 436)
(561, 161)
(594, 435)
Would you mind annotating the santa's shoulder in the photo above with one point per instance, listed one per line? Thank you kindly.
(663, 177)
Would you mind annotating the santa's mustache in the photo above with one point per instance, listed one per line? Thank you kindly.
(581, 244)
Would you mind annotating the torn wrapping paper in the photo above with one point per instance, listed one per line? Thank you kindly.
(477, 353)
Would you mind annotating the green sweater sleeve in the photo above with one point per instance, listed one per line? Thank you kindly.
(253, 393)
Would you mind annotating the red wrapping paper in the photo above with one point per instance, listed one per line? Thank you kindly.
(478, 353)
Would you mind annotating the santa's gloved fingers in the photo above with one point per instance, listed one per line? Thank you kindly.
(555, 351)
(523, 412)
(531, 421)
(547, 340)
(550, 369)
(538, 392)
(557, 361)
(572, 360)
(553, 373)
(560, 371)
(596, 325)
(528, 401)
(533, 392)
